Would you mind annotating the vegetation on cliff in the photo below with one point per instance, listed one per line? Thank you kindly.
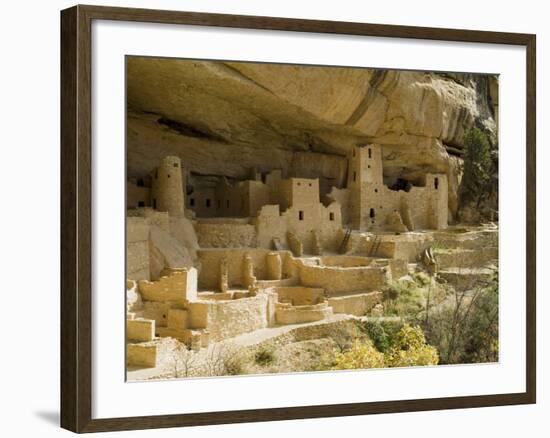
(479, 186)
(408, 347)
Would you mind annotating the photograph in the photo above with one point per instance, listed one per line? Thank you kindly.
(285, 218)
(271, 219)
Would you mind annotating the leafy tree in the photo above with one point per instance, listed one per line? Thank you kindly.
(363, 354)
(410, 349)
(382, 333)
(478, 167)
(465, 330)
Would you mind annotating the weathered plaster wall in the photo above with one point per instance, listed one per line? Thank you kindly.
(140, 330)
(269, 226)
(141, 355)
(137, 196)
(137, 248)
(227, 199)
(302, 221)
(225, 235)
(342, 198)
(336, 279)
(156, 310)
(407, 247)
(288, 314)
(299, 296)
(226, 319)
(203, 202)
(257, 194)
(346, 261)
(179, 287)
(358, 305)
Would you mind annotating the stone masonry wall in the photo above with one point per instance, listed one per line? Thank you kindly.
(210, 260)
(227, 319)
(225, 235)
(137, 248)
(180, 286)
(335, 280)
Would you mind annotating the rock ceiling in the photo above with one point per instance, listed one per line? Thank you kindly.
(224, 118)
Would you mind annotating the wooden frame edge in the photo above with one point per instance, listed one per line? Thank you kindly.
(68, 346)
(75, 230)
(76, 342)
(531, 218)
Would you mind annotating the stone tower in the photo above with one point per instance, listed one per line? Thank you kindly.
(438, 186)
(365, 182)
(167, 187)
(365, 165)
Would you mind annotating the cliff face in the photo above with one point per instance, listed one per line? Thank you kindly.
(224, 118)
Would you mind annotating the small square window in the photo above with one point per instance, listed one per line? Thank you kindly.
(176, 165)
(141, 204)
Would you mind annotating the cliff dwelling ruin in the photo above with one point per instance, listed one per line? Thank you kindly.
(230, 238)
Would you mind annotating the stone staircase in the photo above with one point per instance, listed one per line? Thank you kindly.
(468, 261)
(466, 258)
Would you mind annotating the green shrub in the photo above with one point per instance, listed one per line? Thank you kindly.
(382, 333)
(407, 348)
(404, 298)
(422, 279)
(410, 349)
(363, 354)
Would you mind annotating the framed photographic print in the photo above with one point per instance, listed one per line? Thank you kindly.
(269, 218)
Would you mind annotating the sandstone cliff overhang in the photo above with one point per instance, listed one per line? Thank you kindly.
(224, 118)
